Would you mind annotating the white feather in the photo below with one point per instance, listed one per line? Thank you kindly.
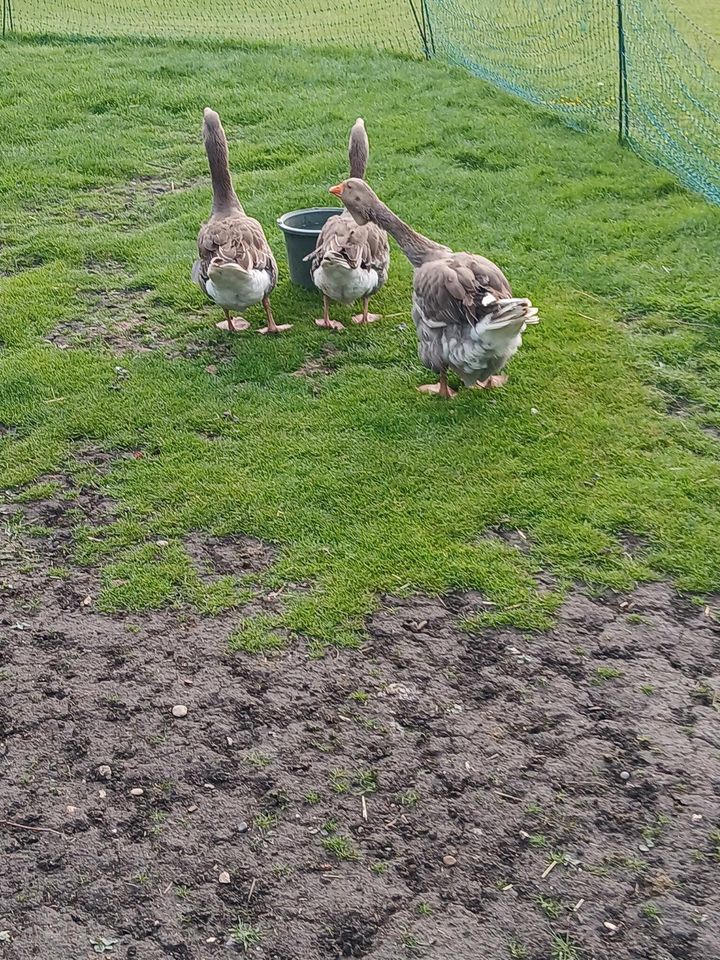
(233, 288)
(345, 284)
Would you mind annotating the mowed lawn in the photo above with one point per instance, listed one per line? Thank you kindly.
(609, 424)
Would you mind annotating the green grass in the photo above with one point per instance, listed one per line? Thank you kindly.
(366, 781)
(258, 760)
(366, 486)
(550, 906)
(651, 911)
(339, 781)
(245, 935)
(256, 635)
(715, 841)
(341, 848)
(516, 950)
(359, 696)
(409, 799)
(265, 822)
(564, 949)
(603, 674)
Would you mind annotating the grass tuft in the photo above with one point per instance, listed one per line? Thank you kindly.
(245, 935)
(256, 635)
(341, 848)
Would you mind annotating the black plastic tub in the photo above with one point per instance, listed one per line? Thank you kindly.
(302, 229)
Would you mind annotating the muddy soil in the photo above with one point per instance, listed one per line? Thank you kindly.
(432, 794)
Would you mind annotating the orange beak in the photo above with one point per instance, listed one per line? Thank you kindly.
(337, 189)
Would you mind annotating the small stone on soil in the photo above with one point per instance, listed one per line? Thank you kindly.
(449, 861)
(624, 775)
(224, 877)
(179, 710)
(104, 771)
(192, 809)
(137, 792)
(243, 827)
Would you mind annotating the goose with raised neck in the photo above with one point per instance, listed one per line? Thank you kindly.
(225, 200)
(235, 267)
(466, 318)
(350, 262)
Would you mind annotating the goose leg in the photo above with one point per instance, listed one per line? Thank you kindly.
(366, 317)
(233, 324)
(491, 383)
(325, 322)
(440, 389)
(272, 327)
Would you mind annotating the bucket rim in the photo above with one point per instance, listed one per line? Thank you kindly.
(305, 231)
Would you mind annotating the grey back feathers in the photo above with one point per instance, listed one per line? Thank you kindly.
(465, 315)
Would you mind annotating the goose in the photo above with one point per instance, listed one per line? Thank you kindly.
(465, 315)
(350, 261)
(235, 266)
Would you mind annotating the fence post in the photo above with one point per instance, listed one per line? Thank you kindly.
(428, 22)
(422, 22)
(7, 17)
(623, 104)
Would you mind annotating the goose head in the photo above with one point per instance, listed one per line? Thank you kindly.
(359, 199)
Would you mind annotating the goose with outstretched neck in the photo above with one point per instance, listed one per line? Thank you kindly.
(235, 265)
(350, 261)
(465, 315)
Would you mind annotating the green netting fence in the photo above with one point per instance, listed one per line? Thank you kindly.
(643, 67)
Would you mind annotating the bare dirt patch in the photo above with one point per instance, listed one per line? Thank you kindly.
(117, 319)
(150, 185)
(103, 267)
(686, 411)
(127, 204)
(509, 535)
(318, 366)
(432, 794)
(633, 544)
(222, 556)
